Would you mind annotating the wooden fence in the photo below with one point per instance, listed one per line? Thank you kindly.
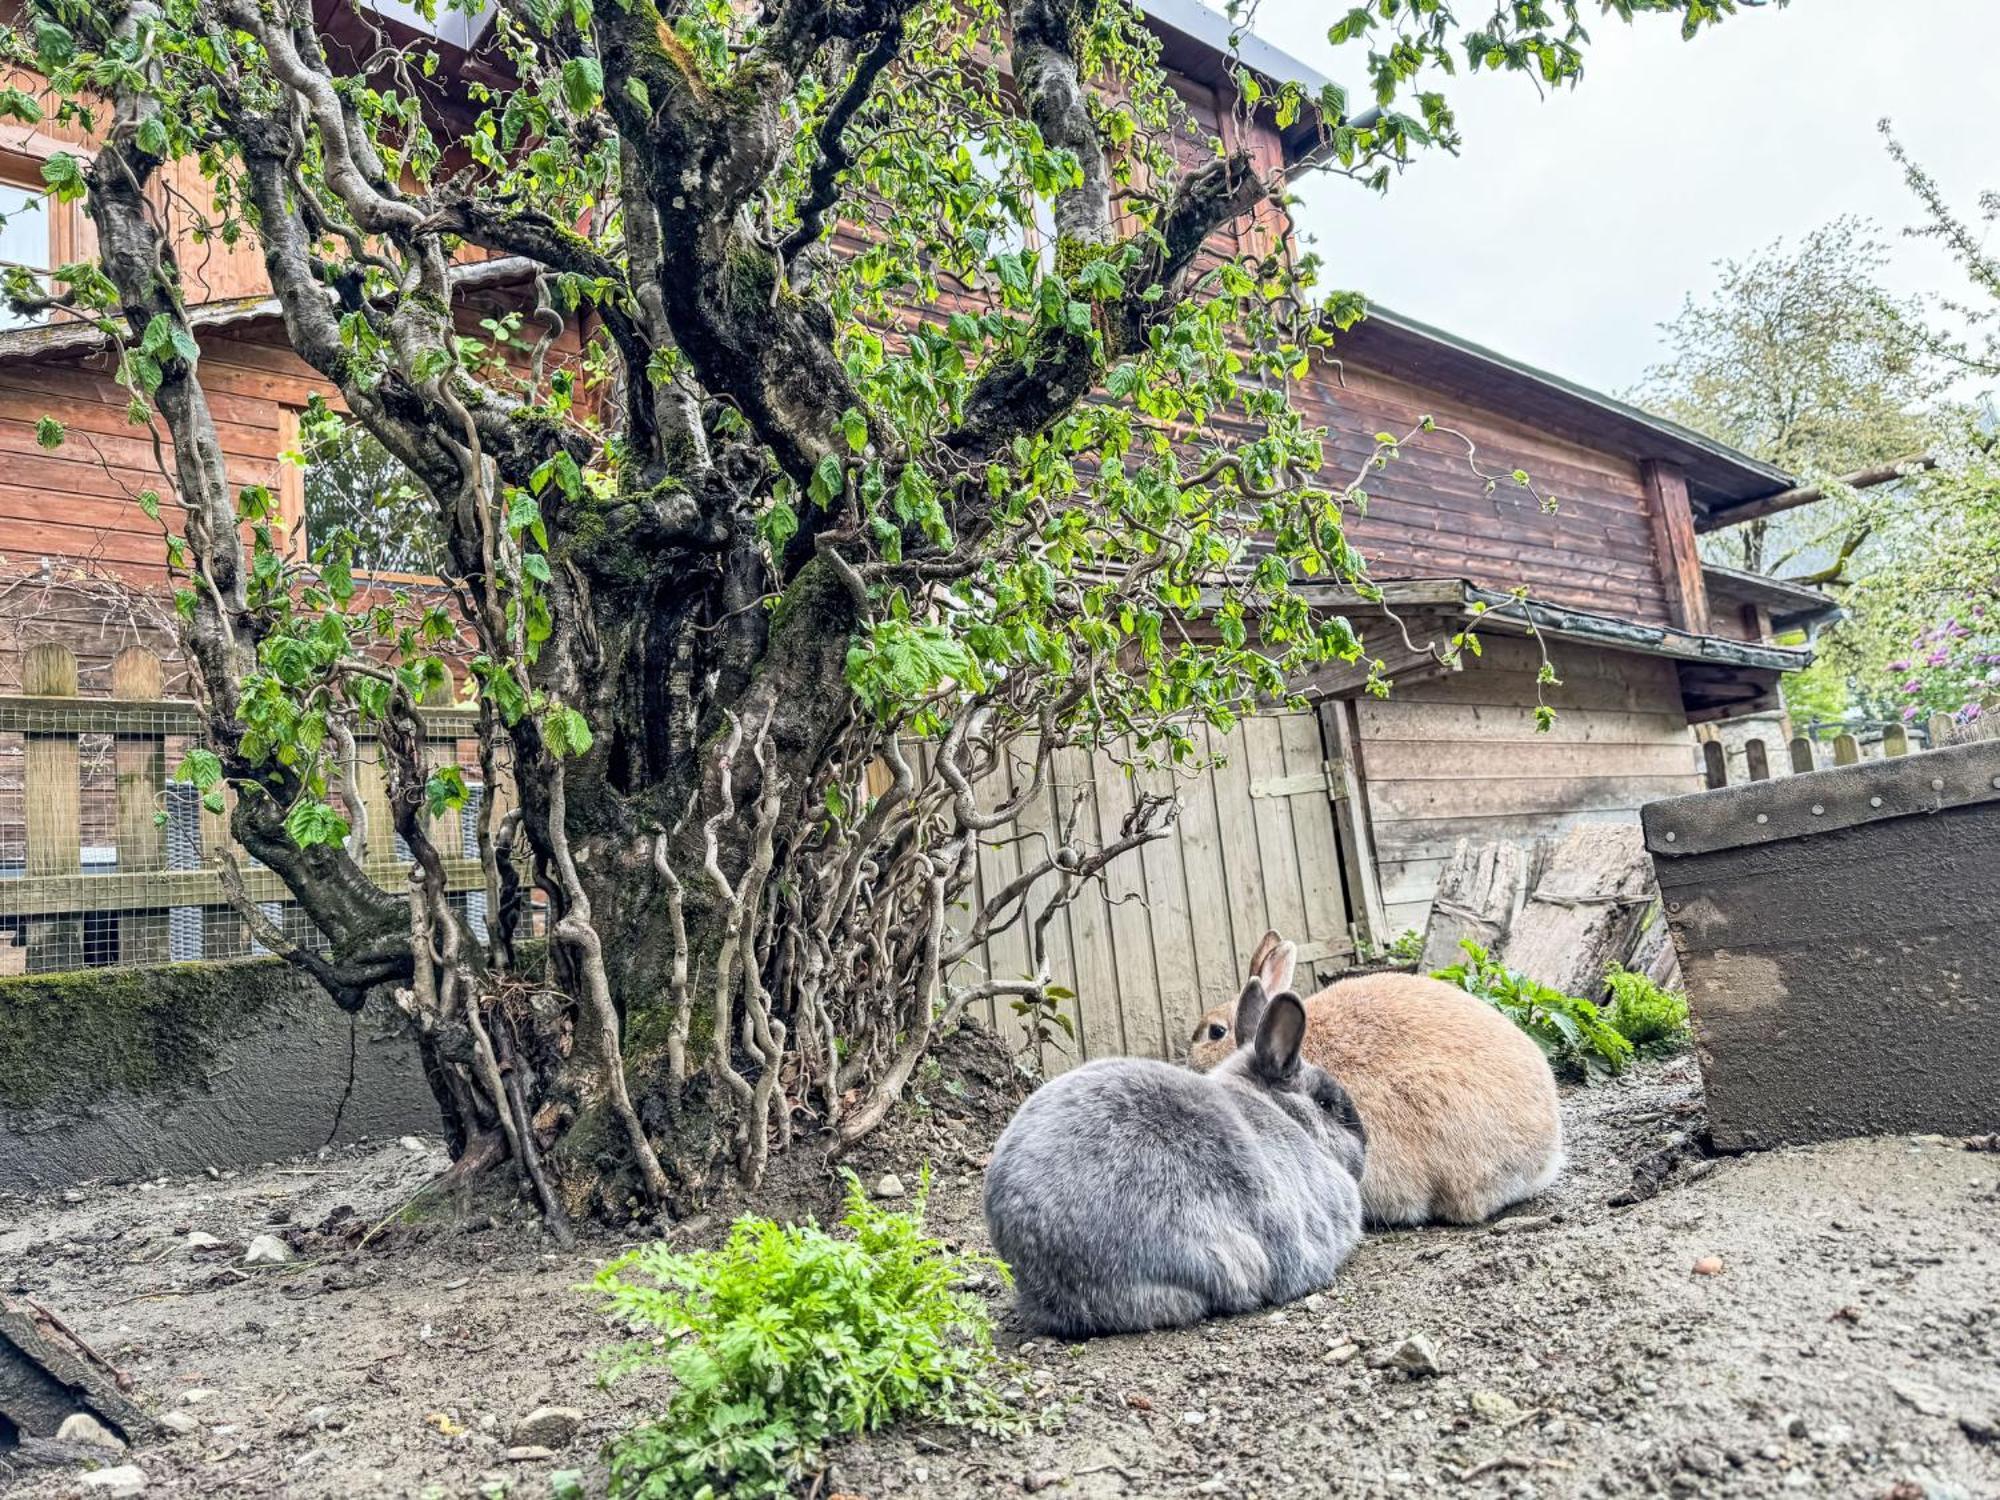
(104, 859)
(1802, 753)
(1262, 840)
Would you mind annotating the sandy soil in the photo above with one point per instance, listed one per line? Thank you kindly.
(1848, 1345)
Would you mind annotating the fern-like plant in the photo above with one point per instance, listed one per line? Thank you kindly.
(1571, 1030)
(1652, 1019)
(787, 1338)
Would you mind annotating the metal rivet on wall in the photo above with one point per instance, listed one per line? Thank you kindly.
(1763, 817)
(1874, 801)
(1818, 808)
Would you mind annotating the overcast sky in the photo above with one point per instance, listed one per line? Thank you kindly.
(1567, 229)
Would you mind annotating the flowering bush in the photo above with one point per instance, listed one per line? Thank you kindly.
(1953, 668)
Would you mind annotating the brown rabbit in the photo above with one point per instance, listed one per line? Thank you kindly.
(1459, 1104)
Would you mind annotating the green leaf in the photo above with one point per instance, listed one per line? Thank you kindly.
(855, 427)
(536, 566)
(827, 481)
(50, 433)
(64, 177)
(582, 83)
(312, 822)
(152, 136)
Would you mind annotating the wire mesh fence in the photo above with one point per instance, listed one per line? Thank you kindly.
(107, 861)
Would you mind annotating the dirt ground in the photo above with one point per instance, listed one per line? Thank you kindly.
(1847, 1344)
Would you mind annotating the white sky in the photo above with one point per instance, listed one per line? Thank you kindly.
(1567, 229)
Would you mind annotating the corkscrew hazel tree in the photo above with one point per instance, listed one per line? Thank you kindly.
(742, 507)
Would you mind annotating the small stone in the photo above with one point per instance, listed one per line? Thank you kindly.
(1215, 1486)
(1521, 1223)
(1495, 1407)
(529, 1453)
(1699, 1458)
(1708, 1265)
(1416, 1357)
(1979, 1429)
(82, 1427)
(1041, 1479)
(1193, 1418)
(126, 1479)
(546, 1427)
(412, 1143)
(888, 1185)
(1314, 1303)
(1340, 1354)
(178, 1422)
(267, 1250)
(196, 1240)
(196, 1396)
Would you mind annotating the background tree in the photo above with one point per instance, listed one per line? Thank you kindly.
(786, 508)
(1806, 357)
(1803, 357)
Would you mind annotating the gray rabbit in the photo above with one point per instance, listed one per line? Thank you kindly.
(1130, 1194)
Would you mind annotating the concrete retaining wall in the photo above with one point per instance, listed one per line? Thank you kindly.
(124, 1074)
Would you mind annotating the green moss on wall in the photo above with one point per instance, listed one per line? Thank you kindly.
(78, 1037)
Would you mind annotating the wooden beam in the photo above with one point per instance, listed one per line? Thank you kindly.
(1808, 494)
(1674, 544)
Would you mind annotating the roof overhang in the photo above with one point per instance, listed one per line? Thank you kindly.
(1717, 475)
(1203, 45)
(1719, 678)
(1791, 606)
(76, 336)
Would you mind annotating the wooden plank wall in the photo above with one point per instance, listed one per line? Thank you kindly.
(1168, 935)
(1458, 757)
(1430, 515)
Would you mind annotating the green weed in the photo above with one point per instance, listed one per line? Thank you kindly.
(789, 1337)
(1653, 1020)
(1571, 1030)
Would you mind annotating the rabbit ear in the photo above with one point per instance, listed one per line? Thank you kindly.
(1281, 1031)
(1250, 1008)
(1278, 964)
(1266, 946)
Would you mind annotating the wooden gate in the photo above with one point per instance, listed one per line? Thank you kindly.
(1256, 845)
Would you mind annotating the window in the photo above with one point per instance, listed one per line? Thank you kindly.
(1030, 221)
(24, 242)
(350, 483)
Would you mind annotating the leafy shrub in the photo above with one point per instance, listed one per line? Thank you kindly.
(788, 1337)
(1650, 1018)
(1569, 1029)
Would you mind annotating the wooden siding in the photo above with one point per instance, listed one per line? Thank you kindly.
(1458, 757)
(1431, 515)
(1168, 934)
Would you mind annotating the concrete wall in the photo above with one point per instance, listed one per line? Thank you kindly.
(125, 1074)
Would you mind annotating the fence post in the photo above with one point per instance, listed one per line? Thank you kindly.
(1802, 756)
(1714, 767)
(1846, 750)
(1757, 760)
(52, 789)
(1895, 740)
(1943, 731)
(137, 677)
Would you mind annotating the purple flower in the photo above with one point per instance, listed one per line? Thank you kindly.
(1899, 666)
(1938, 657)
(1968, 713)
(1914, 685)
(1910, 713)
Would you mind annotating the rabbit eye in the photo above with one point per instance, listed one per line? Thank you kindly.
(1217, 1031)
